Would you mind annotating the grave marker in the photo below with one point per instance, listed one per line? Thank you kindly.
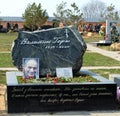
(56, 47)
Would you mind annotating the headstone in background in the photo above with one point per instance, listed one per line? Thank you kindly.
(56, 47)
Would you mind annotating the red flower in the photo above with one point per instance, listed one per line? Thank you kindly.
(55, 80)
(30, 77)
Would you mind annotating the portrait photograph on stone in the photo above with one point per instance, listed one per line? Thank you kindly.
(31, 68)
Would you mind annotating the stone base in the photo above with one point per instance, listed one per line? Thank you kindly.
(25, 98)
(61, 97)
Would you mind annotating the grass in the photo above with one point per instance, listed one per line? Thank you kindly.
(97, 38)
(94, 38)
(89, 58)
(5, 60)
(106, 72)
(95, 59)
(2, 77)
(6, 40)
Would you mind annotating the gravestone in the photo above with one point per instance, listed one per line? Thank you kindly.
(56, 47)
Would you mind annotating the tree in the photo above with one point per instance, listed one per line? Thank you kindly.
(67, 16)
(74, 15)
(112, 13)
(94, 9)
(61, 12)
(98, 9)
(34, 16)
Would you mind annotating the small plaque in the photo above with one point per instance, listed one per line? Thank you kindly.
(64, 72)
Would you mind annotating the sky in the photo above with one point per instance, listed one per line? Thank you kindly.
(17, 7)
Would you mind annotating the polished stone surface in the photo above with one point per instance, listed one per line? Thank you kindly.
(56, 47)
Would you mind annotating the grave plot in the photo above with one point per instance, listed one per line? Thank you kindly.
(60, 53)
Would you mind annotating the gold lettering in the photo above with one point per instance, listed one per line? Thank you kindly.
(105, 94)
(15, 89)
(16, 95)
(52, 100)
(34, 89)
(101, 88)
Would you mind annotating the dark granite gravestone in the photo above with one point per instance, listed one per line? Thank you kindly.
(56, 47)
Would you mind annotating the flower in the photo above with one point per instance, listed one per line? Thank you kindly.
(55, 80)
(30, 77)
(62, 81)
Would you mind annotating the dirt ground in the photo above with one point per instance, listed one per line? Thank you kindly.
(2, 98)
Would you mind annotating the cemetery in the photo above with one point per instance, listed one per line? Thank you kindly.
(65, 64)
(110, 33)
(59, 52)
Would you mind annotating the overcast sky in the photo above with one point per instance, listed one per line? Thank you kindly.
(17, 7)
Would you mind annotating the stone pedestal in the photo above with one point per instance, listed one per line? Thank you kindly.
(52, 97)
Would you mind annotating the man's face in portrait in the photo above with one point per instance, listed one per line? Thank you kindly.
(30, 68)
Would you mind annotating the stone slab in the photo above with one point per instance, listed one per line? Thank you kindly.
(53, 97)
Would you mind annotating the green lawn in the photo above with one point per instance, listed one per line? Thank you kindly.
(105, 72)
(5, 60)
(89, 58)
(3, 77)
(6, 40)
(94, 38)
(95, 59)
